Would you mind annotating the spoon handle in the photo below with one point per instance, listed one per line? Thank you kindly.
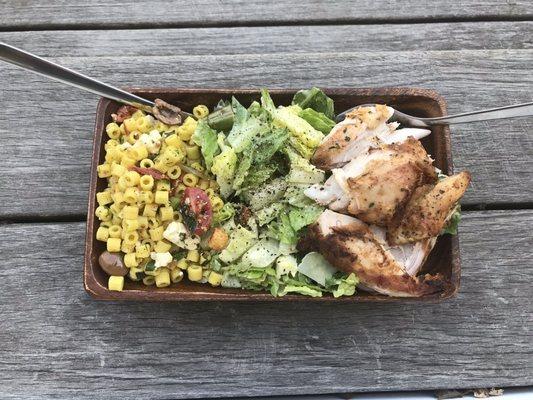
(516, 110)
(49, 69)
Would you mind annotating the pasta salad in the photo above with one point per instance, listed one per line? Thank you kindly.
(216, 198)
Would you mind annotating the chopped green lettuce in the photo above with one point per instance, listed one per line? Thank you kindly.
(242, 171)
(240, 240)
(282, 230)
(317, 120)
(344, 285)
(206, 138)
(302, 171)
(226, 212)
(224, 167)
(301, 289)
(286, 265)
(265, 195)
(262, 254)
(269, 144)
(268, 213)
(301, 217)
(295, 196)
(453, 224)
(315, 267)
(315, 99)
(245, 128)
(303, 137)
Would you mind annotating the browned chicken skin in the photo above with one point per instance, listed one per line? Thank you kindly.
(349, 245)
(428, 210)
(387, 183)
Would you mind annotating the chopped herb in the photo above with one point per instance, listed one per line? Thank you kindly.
(150, 266)
(189, 218)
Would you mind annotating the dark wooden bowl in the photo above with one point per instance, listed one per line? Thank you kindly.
(420, 102)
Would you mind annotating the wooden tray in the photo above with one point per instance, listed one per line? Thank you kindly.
(420, 102)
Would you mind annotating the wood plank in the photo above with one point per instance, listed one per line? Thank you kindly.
(52, 13)
(282, 39)
(50, 147)
(54, 336)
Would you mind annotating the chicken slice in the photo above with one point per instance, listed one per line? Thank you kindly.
(376, 184)
(363, 128)
(428, 210)
(351, 245)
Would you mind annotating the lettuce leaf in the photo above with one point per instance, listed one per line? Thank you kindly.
(242, 170)
(245, 128)
(224, 167)
(303, 137)
(301, 217)
(240, 240)
(206, 138)
(269, 144)
(262, 254)
(315, 267)
(344, 285)
(302, 171)
(315, 99)
(269, 213)
(226, 212)
(265, 195)
(317, 120)
(295, 196)
(453, 224)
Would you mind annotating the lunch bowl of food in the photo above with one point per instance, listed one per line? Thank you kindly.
(255, 195)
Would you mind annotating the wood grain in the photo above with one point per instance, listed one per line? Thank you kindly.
(49, 149)
(34, 13)
(273, 40)
(57, 342)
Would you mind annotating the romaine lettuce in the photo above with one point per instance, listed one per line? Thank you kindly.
(261, 255)
(317, 120)
(344, 286)
(316, 99)
(303, 137)
(226, 212)
(224, 167)
(301, 217)
(286, 265)
(265, 195)
(453, 224)
(240, 240)
(302, 171)
(315, 267)
(206, 138)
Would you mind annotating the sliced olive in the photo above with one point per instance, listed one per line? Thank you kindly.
(112, 264)
(166, 113)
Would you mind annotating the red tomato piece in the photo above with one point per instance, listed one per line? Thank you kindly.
(196, 204)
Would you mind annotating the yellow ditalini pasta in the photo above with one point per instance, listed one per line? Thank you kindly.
(147, 165)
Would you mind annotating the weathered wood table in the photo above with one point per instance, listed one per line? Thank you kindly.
(56, 342)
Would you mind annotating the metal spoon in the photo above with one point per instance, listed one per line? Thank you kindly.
(40, 66)
(516, 110)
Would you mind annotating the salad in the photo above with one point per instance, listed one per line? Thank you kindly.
(217, 199)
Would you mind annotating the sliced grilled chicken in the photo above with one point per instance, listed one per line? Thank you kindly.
(375, 185)
(351, 246)
(363, 128)
(428, 210)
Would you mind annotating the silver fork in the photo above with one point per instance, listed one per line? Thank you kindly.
(515, 110)
(38, 65)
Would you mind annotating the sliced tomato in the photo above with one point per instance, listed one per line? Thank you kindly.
(196, 210)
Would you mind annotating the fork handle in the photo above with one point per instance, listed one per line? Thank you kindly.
(49, 69)
(516, 110)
